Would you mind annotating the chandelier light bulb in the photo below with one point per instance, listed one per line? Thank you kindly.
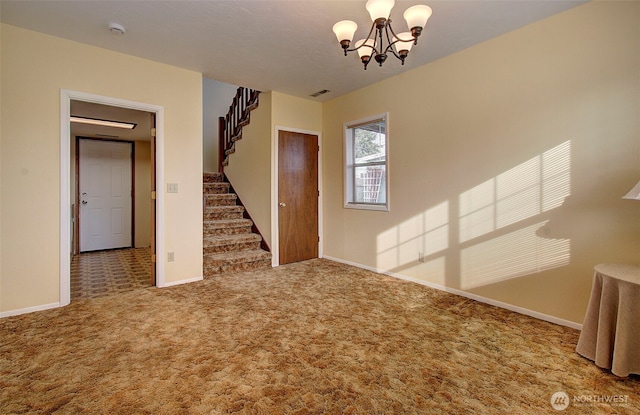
(379, 9)
(404, 43)
(416, 18)
(367, 48)
(344, 31)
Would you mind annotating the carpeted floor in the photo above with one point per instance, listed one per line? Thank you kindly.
(309, 338)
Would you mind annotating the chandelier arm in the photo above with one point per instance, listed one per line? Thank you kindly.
(362, 46)
(373, 27)
(390, 49)
(413, 39)
(391, 43)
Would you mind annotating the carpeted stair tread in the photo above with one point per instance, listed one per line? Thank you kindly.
(230, 239)
(215, 188)
(221, 196)
(226, 227)
(226, 223)
(237, 257)
(223, 212)
(229, 208)
(220, 199)
(212, 177)
(235, 261)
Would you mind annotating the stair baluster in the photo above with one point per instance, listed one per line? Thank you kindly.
(230, 126)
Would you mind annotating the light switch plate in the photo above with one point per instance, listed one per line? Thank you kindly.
(172, 187)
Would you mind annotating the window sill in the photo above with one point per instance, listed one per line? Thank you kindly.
(366, 206)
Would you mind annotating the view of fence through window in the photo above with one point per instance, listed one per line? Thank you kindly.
(370, 158)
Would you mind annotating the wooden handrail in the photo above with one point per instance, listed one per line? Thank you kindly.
(230, 126)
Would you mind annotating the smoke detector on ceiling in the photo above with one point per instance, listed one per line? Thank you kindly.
(116, 29)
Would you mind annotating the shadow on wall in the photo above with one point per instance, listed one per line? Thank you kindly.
(495, 231)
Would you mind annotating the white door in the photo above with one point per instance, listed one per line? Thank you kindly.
(105, 194)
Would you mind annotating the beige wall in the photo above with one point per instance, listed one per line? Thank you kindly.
(216, 98)
(296, 113)
(255, 153)
(536, 127)
(249, 169)
(34, 69)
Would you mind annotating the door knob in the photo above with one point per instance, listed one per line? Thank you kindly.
(282, 204)
(84, 202)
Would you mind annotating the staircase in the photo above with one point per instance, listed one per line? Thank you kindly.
(228, 241)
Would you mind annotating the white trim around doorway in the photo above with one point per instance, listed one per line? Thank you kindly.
(66, 96)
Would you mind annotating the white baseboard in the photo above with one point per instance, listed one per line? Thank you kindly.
(56, 305)
(180, 282)
(28, 310)
(479, 298)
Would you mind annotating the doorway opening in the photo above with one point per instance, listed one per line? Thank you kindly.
(112, 227)
(142, 224)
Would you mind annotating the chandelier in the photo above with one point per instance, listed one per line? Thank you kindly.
(382, 33)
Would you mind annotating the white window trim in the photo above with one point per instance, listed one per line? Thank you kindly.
(347, 169)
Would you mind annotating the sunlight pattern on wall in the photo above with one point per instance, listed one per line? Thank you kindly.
(515, 254)
(535, 186)
(525, 191)
(496, 236)
(427, 232)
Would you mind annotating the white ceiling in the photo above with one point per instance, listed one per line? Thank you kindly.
(282, 45)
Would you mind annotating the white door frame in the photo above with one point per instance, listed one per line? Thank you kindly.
(275, 225)
(66, 96)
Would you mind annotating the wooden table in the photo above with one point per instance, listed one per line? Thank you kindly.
(611, 330)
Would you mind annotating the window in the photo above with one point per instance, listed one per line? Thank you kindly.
(366, 172)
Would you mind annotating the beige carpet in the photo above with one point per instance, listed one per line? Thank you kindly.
(309, 338)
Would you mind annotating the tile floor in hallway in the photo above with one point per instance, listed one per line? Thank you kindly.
(100, 273)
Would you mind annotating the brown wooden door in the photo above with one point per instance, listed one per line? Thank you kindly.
(297, 196)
